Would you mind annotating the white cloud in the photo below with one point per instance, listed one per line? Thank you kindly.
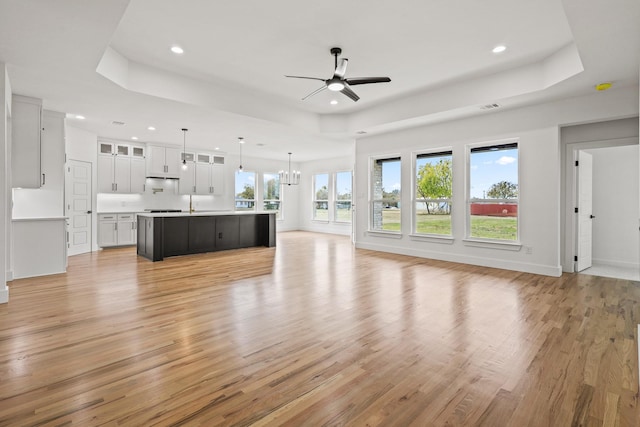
(474, 167)
(505, 160)
(396, 186)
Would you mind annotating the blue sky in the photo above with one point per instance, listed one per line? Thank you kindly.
(487, 168)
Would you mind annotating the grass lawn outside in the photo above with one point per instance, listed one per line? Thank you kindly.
(484, 227)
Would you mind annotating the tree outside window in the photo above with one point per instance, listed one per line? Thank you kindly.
(271, 200)
(493, 192)
(434, 186)
(321, 197)
(245, 199)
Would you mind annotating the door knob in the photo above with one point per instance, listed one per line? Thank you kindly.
(88, 212)
(592, 216)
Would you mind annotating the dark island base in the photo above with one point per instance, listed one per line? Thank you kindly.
(165, 236)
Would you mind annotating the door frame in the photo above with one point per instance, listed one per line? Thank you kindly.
(568, 220)
(91, 201)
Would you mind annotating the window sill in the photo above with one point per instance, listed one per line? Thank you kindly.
(447, 240)
(320, 221)
(493, 244)
(387, 234)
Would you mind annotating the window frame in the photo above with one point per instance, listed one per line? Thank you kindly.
(372, 201)
(336, 200)
(316, 200)
(235, 193)
(484, 241)
(279, 213)
(433, 152)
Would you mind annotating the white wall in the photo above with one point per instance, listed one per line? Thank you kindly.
(308, 170)
(537, 129)
(5, 180)
(615, 206)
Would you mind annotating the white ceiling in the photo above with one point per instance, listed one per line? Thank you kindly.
(109, 60)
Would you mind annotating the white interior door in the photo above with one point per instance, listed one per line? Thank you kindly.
(585, 210)
(78, 206)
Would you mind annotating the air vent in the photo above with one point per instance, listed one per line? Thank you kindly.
(117, 123)
(490, 106)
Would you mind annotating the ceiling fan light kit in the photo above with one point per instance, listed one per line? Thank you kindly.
(338, 82)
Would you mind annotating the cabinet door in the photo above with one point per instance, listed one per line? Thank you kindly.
(173, 162)
(155, 161)
(126, 233)
(122, 174)
(187, 179)
(203, 178)
(175, 231)
(227, 232)
(105, 173)
(26, 127)
(248, 231)
(202, 234)
(217, 179)
(138, 177)
(107, 233)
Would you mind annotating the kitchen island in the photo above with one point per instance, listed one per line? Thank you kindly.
(163, 235)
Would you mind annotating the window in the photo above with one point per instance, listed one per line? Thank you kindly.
(342, 195)
(245, 191)
(433, 188)
(271, 200)
(385, 194)
(493, 192)
(321, 197)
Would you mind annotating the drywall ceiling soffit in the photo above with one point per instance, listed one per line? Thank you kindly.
(426, 106)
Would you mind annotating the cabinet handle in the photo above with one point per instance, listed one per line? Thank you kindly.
(116, 186)
(219, 235)
(43, 179)
(116, 224)
(194, 189)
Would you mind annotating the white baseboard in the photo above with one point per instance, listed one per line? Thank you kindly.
(615, 263)
(545, 270)
(4, 295)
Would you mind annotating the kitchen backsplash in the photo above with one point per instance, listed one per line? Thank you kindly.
(159, 194)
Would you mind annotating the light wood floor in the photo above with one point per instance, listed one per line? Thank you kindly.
(311, 333)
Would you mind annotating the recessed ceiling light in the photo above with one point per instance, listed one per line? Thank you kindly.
(333, 102)
(241, 140)
(151, 128)
(135, 138)
(177, 49)
(500, 48)
(79, 117)
(217, 148)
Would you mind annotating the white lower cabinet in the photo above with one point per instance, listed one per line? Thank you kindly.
(116, 229)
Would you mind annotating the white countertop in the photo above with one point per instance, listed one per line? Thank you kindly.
(204, 213)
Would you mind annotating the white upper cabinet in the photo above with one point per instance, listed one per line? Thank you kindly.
(163, 162)
(121, 168)
(209, 174)
(26, 140)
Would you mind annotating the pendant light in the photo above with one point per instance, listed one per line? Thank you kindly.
(184, 149)
(240, 141)
(289, 177)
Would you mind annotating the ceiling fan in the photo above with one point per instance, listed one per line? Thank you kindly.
(338, 83)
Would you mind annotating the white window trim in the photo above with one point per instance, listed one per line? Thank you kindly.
(513, 245)
(370, 228)
(414, 195)
(254, 200)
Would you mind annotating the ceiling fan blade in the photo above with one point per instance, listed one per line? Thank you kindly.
(341, 69)
(367, 80)
(302, 77)
(320, 89)
(351, 94)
